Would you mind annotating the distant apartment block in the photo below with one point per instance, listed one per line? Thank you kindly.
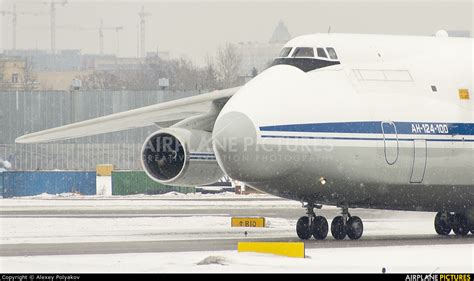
(259, 55)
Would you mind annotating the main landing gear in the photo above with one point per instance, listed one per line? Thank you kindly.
(445, 222)
(346, 225)
(312, 225)
(317, 226)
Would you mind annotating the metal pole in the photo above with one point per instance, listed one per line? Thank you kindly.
(53, 27)
(118, 42)
(101, 38)
(37, 156)
(14, 19)
(142, 39)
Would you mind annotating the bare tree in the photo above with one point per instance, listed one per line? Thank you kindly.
(29, 76)
(228, 62)
(185, 75)
(182, 74)
(209, 77)
(3, 84)
(101, 80)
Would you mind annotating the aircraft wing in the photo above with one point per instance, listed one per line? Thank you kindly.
(203, 108)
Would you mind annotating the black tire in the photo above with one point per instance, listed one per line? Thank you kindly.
(320, 228)
(471, 225)
(442, 226)
(302, 228)
(338, 229)
(355, 228)
(460, 225)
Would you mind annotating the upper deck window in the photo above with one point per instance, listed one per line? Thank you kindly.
(285, 52)
(303, 53)
(332, 53)
(322, 53)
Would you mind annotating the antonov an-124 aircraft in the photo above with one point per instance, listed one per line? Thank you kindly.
(354, 121)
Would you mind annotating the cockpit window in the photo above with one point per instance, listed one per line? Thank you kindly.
(304, 58)
(332, 53)
(303, 53)
(322, 53)
(285, 52)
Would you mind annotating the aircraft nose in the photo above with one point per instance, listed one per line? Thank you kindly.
(260, 102)
(234, 139)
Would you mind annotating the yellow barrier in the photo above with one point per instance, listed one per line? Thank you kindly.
(464, 94)
(104, 170)
(247, 222)
(289, 249)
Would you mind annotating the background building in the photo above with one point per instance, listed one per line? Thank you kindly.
(12, 73)
(259, 55)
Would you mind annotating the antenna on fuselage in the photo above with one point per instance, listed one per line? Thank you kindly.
(329, 30)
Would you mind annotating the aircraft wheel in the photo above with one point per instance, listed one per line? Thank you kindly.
(441, 223)
(460, 225)
(303, 229)
(338, 229)
(320, 228)
(355, 228)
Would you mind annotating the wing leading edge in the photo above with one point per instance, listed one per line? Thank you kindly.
(207, 105)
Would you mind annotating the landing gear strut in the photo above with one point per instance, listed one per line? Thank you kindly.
(317, 226)
(445, 222)
(347, 225)
(312, 225)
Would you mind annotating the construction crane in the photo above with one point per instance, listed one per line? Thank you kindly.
(101, 28)
(14, 13)
(117, 29)
(52, 12)
(142, 14)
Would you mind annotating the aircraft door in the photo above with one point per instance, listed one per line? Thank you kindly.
(391, 146)
(420, 154)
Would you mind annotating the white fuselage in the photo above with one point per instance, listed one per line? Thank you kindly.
(391, 125)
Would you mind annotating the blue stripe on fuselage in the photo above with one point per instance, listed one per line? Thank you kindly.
(375, 127)
(201, 153)
(358, 138)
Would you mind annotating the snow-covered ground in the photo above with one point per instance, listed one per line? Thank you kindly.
(165, 201)
(66, 230)
(193, 223)
(405, 259)
(69, 218)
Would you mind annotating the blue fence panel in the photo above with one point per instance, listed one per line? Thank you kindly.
(36, 182)
(1, 184)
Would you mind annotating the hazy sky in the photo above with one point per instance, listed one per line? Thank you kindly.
(195, 28)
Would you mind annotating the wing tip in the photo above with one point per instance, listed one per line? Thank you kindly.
(26, 139)
(22, 140)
